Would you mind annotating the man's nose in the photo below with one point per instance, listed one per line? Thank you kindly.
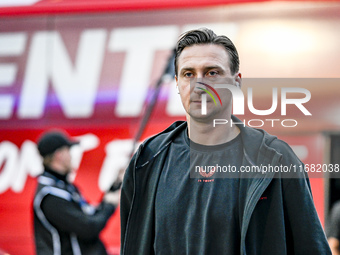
(199, 87)
(200, 76)
(198, 90)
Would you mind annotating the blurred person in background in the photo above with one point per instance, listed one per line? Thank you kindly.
(64, 223)
(333, 229)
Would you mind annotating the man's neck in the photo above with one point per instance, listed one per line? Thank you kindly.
(58, 167)
(56, 174)
(205, 133)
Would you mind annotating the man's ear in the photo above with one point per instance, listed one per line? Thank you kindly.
(238, 80)
(176, 84)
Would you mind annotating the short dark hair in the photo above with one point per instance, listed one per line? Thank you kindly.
(207, 36)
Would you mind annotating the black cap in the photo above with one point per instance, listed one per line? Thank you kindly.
(53, 140)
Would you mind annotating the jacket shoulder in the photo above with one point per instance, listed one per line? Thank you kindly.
(283, 148)
(54, 191)
(273, 142)
(156, 143)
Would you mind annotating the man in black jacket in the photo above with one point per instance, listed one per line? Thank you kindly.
(64, 223)
(178, 196)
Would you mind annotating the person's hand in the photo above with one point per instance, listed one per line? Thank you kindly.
(334, 244)
(112, 197)
(118, 182)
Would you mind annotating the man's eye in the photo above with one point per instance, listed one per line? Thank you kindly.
(212, 73)
(188, 75)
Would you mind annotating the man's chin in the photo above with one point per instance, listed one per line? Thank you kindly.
(202, 118)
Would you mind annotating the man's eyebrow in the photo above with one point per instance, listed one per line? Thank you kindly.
(214, 67)
(205, 68)
(187, 69)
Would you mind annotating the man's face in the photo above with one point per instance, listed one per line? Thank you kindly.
(208, 63)
(63, 156)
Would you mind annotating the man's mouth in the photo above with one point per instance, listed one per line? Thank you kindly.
(196, 101)
(200, 101)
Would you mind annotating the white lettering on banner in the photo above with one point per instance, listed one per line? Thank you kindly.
(29, 163)
(17, 164)
(11, 44)
(117, 158)
(76, 82)
(87, 142)
(140, 45)
(9, 155)
(75, 87)
(174, 106)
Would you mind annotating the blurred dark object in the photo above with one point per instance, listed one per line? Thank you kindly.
(116, 186)
(168, 73)
(334, 181)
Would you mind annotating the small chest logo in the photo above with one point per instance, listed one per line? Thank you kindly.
(207, 171)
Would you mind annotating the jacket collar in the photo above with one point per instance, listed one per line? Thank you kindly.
(49, 172)
(256, 143)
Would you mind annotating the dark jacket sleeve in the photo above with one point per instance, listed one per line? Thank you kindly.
(67, 216)
(333, 226)
(302, 222)
(126, 197)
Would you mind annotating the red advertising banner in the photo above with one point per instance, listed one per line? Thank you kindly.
(19, 7)
(94, 75)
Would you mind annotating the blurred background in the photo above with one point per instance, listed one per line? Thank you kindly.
(92, 68)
